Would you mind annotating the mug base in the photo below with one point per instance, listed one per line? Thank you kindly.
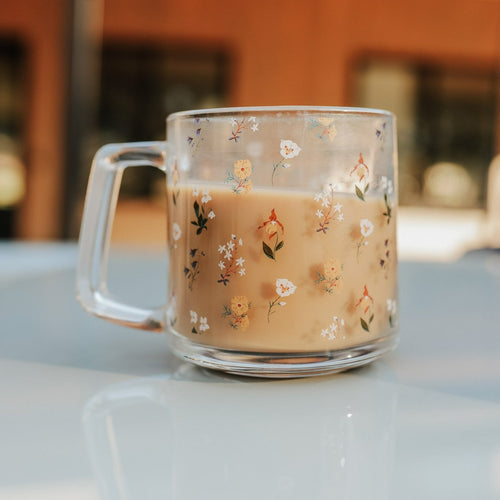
(282, 365)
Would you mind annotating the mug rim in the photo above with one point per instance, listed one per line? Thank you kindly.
(355, 111)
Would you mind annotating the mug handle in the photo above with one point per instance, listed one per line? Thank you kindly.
(95, 235)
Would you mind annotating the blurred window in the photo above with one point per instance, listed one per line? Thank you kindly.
(141, 85)
(446, 126)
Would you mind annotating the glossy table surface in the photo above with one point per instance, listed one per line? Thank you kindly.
(92, 410)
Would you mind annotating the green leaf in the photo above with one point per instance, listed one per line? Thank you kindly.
(267, 250)
(199, 230)
(371, 318)
(194, 330)
(280, 245)
(196, 207)
(364, 325)
(195, 223)
(390, 320)
(359, 194)
(366, 187)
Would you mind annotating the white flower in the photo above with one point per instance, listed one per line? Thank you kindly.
(222, 248)
(241, 272)
(319, 214)
(325, 202)
(176, 231)
(333, 327)
(194, 316)
(255, 127)
(325, 332)
(233, 236)
(340, 217)
(240, 242)
(366, 227)
(337, 207)
(233, 122)
(331, 336)
(284, 287)
(222, 265)
(228, 255)
(391, 306)
(211, 214)
(335, 318)
(240, 261)
(286, 165)
(282, 303)
(203, 324)
(230, 245)
(196, 191)
(289, 149)
(252, 119)
(318, 196)
(342, 322)
(206, 196)
(386, 184)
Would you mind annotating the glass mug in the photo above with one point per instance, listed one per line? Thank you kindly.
(281, 238)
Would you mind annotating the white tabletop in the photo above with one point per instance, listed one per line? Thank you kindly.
(92, 410)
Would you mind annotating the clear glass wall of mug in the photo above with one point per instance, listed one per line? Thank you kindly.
(281, 238)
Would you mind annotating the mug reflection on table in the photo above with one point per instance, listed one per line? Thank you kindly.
(216, 438)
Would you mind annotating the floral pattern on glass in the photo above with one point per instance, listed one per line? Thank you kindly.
(237, 312)
(324, 128)
(388, 188)
(284, 288)
(361, 171)
(200, 323)
(328, 211)
(247, 122)
(231, 264)
(335, 328)
(366, 228)
(176, 233)
(275, 230)
(288, 150)
(202, 212)
(330, 280)
(392, 309)
(366, 306)
(239, 178)
(195, 138)
(193, 269)
(385, 260)
(175, 181)
(380, 132)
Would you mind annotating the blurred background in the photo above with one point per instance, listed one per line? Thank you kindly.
(76, 74)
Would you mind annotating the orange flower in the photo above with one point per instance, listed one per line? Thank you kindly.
(361, 168)
(365, 297)
(272, 224)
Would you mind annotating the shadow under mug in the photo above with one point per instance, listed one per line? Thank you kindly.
(281, 238)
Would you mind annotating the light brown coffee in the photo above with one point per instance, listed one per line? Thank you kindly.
(282, 271)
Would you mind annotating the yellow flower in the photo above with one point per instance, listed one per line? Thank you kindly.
(239, 305)
(332, 268)
(243, 169)
(244, 323)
